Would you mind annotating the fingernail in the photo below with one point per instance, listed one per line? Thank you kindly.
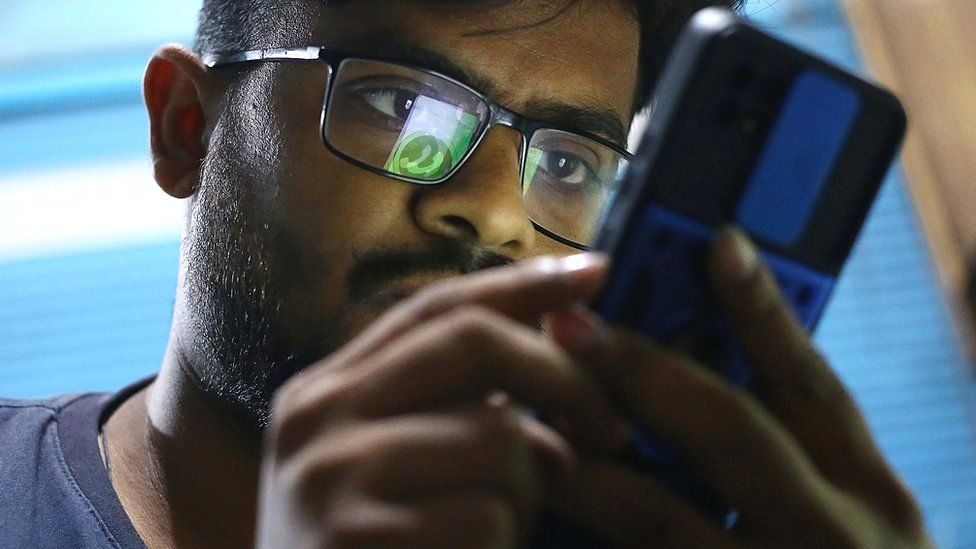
(743, 259)
(583, 262)
(570, 266)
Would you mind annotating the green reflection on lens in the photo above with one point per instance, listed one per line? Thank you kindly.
(531, 165)
(421, 155)
(435, 137)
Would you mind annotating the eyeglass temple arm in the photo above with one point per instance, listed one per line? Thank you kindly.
(216, 59)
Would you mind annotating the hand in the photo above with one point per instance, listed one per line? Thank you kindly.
(406, 437)
(799, 465)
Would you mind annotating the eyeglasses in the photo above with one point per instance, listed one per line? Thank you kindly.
(416, 125)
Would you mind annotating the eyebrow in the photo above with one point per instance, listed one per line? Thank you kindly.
(525, 26)
(590, 117)
(595, 119)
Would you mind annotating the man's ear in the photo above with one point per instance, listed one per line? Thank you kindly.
(173, 89)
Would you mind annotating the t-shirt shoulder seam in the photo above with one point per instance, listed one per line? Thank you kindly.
(43, 404)
(66, 471)
(27, 405)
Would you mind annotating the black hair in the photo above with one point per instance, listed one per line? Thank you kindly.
(234, 25)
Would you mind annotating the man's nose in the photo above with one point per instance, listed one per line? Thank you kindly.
(482, 203)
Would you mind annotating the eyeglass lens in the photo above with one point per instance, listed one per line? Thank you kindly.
(413, 124)
(401, 120)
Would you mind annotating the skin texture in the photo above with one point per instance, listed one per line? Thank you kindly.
(401, 427)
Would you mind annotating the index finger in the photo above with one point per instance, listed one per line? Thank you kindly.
(523, 292)
(796, 382)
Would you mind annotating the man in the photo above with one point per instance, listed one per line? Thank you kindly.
(330, 379)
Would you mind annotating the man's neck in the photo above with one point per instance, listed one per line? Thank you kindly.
(184, 475)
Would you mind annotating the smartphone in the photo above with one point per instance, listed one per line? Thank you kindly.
(751, 131)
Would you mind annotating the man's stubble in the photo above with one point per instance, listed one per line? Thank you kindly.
(238, 261)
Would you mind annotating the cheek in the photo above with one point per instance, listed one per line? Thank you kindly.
(330, 206)
(545, 246)
(335, 207)
(313, 212)
(331, 212)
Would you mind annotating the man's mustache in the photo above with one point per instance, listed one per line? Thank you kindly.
(376, 269)
(379, 268)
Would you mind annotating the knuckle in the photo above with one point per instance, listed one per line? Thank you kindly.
(495, 519)
(287, 427)
(503, 428)
(473, 331)
(345, 530)
(729, 407)
(814, 383)
(493, 441)
(740, 426)
(471, 324)
(505, 442)
(287, 431)
(903, 509)
(765, 299)
(435, 297)
(513, 460)
(286, 394)
(307, 485)
(311, 480)
(297, 415)
(324, 474)
(841, 534)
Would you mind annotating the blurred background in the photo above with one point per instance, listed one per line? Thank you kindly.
(89, 245)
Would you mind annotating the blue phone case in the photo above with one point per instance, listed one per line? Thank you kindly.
(658, 285)
(663, 291)
(801, 186)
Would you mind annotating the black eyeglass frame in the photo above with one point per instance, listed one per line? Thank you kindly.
(497, 114)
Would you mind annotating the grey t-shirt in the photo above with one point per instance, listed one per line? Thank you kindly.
(54, 489)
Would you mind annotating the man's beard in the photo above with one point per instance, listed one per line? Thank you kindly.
(236, 264)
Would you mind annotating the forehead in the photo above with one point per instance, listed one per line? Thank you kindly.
(581, 52)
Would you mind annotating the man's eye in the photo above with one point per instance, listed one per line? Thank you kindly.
(392, 102)
(567, 168)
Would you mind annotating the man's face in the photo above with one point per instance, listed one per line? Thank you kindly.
(290, 250)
